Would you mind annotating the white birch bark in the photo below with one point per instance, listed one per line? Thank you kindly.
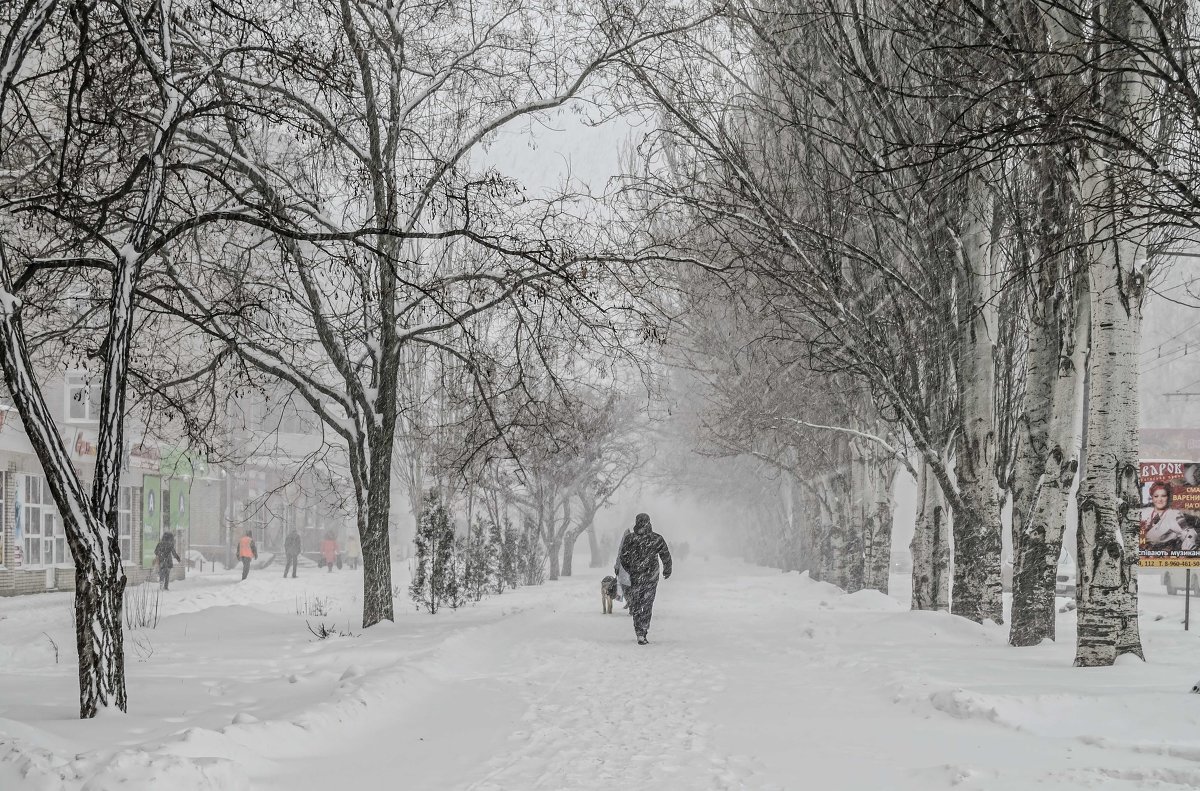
(1039, 532)
(977, 591)
(930, 545)
(1109, 498)
(882, 472)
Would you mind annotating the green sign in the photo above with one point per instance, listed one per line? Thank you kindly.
(180, 510)
(151, 517)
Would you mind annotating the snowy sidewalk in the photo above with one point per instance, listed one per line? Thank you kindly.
(753, 680)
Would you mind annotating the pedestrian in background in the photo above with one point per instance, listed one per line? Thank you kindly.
(165, 556)
(291, 551)
(247, 551)
(329, 551)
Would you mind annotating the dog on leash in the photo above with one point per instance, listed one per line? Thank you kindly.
(608, 592)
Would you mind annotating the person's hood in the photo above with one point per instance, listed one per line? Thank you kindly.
(641, 525)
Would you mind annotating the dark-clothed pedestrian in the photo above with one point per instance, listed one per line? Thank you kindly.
(291, 551)
(247, 551)
(165, 556)
(640, 553)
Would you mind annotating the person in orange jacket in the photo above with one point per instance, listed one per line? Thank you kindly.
(329, 551)
(247, 551)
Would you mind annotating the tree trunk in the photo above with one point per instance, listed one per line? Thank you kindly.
(1040, 540)
(375, 540)
(595, 561)
(978, 592)
(553, 547)
(840, 531)
(572, 534)
(822, 566)
(879, 541)
(1109, 498)
(568, 549)
(93, 540)
(861, 521)
(1031, 472)
(930, 546)
(99, 640)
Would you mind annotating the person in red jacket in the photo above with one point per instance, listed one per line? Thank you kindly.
(329, 551)
(247, 551)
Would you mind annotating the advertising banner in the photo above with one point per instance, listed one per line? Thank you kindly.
(151, 519)
(1169, 527)
(180, 518)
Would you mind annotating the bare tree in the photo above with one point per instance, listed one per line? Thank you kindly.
(364, 177)
(91, 100)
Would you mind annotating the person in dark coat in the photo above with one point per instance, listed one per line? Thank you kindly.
(291, 551)
(640, 553)
(165, 556)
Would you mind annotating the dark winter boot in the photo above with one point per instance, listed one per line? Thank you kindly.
(642, 639)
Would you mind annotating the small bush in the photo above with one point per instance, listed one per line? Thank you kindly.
(317, 606)
(323, 632)
(53, 645)
(143, 649)
(141, 606)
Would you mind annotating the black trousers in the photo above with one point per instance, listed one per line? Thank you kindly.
(290, 564)
(245, 567)
(641, 604)
(164, 576)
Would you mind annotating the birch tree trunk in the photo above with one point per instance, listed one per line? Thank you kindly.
(977, 592)
(1039, 535)
(879, 539)
(861, 522)
(1031, 468)
(806, 528)
(930, 546)
(824, 564)
(1109, 499)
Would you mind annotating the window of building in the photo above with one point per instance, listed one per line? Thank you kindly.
(83, 398)
(125, 523)
(45, 542)
(3, 511)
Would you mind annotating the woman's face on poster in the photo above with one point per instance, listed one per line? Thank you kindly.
(1160, 498)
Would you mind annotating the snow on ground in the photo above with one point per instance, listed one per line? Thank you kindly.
(753, 680)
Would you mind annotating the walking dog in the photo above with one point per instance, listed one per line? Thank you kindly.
(608, 591)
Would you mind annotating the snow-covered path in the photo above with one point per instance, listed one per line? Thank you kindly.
(753, 680)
